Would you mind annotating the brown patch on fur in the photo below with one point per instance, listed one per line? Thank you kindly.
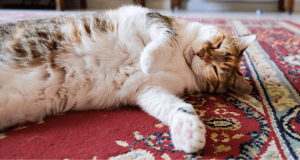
(33, 43)
(218, 38)
(201, 54)
(99, 24)
(224, 82)
(52, 60)
(112, 26)
(213, 78)
(86, 26)
(19, 49)
(76, 33)
(36, 62)
(109, 16)
(207, 54)
(160, 21)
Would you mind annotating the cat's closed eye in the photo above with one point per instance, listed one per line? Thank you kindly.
(215, 69)
(219, 45)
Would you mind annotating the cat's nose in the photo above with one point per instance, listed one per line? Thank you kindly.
(201, 53)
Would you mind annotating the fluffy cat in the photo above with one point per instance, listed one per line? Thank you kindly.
(131, 56)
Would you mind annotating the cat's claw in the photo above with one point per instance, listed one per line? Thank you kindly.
(188, 132)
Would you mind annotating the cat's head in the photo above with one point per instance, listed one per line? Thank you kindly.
(214, 57)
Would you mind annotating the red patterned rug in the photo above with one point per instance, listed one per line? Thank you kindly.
(263, 125)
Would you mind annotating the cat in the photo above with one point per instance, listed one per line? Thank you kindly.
(128, 56)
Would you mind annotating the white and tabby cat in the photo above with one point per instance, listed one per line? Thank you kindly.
(131, 56)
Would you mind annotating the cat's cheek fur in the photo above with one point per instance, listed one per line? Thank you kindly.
(189, 54)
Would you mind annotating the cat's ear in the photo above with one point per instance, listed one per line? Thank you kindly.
(243, 42)
(241, 86)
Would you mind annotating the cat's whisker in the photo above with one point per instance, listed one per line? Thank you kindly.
(206, 15)
(231, 43)
(199, 17)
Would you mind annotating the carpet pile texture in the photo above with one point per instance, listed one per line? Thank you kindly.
(262, 125)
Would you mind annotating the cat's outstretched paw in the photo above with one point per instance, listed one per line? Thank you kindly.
(155, 57)
(188, 132)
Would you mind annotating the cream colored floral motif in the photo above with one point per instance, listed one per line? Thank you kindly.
(2, 135)
(214, 137)
(222, 148)
(165, 156)
(237, 136)
(202, 112)
(249, 99)
(166, 134)
(159, 125)
(40, 121)
(213, 98)
(224, 111)
(122, 143)
(196, 155)
(138, 154)
(291, 59)
(226, 139)
(137, 135)
(152, 136)
(19, 128)
(217, 104)
(281, 97)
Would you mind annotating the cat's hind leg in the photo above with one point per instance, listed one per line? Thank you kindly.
(19, 108)
(163, 46)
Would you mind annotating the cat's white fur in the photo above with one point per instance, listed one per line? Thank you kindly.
(109, 70)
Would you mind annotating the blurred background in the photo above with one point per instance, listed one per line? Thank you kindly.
(276, 9)
(188, 5)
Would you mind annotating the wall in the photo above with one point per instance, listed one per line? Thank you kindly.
(105, 4)
(199, 5)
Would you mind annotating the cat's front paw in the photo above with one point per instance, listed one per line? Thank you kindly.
(155, 57)
(188, 132)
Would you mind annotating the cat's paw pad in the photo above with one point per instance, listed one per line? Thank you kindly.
(188, 132)
(155, 57)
